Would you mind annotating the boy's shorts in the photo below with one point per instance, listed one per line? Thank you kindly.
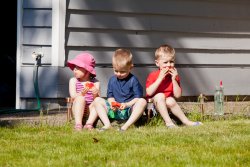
(118, 114)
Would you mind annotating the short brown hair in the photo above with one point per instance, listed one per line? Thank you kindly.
(165, 50)
(122, 58)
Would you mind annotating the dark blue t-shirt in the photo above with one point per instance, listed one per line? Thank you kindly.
(124, 90)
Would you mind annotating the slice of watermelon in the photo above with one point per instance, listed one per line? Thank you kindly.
(116, 104)
(89, 84)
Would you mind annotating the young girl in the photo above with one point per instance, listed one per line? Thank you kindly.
(83, 89)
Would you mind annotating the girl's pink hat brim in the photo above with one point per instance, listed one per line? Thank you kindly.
(84, 60)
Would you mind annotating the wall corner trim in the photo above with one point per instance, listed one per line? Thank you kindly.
(58, 32)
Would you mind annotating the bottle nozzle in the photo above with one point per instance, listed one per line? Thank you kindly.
(221, 84)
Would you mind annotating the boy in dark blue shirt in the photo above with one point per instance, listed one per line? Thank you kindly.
(124, 94)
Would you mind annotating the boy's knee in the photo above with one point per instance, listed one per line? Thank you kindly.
(142, 102)
(159, 96)
(171, 102)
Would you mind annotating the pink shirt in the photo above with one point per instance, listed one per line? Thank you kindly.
(88, 96)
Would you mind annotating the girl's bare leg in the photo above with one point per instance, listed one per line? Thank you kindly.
(100, 108)
(78, 110)
(92, 117)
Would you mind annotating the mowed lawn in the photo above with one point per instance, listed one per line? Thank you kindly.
(216, 143)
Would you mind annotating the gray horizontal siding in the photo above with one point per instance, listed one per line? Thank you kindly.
(154, 39)
(144, 57)
(28, 50)
(211, 39)
(37, 36)
(220, 9)
(47, 79)
(37, 18)
(53, 81)
(125, 21)
(37, 22)
(193, 80)
(37, 4)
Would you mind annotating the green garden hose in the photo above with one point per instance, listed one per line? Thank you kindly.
(36, 88)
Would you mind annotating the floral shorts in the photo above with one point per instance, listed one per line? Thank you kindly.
(118, 114)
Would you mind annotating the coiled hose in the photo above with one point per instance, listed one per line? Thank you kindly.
(36, 88)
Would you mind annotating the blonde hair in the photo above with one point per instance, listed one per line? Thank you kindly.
(122, 58)
(165, 50)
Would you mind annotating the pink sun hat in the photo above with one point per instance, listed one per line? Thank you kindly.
(84, 60)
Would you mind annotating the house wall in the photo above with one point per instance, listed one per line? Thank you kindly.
(211, 40)
(35, 34)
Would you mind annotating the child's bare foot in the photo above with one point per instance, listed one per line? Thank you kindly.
(104, 128)
(191, 123)
(170, 126)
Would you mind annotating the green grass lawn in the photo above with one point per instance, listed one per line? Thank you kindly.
(216, 143)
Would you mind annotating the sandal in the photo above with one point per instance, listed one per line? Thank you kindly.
(88, 126)
(102, 129)
(78, 127)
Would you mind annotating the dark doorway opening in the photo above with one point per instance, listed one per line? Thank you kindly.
(8, 54)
